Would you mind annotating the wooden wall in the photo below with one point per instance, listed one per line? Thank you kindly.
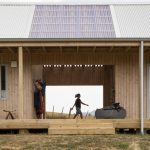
(126, 77)
(126, 73)
(10, 103)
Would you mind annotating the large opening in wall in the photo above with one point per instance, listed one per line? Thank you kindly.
(59, 100)
(78, 78)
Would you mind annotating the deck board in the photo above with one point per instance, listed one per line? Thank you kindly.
(74, 126)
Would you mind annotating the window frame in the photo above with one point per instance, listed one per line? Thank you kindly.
(3, 91)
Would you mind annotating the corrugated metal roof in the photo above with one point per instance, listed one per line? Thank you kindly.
(133, 20)
(15, 21)
(74, 21)
(66, 21)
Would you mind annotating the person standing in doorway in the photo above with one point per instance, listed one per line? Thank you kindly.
(77, 104)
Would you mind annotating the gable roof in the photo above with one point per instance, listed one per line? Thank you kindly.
(133, 20)
(15, 21)
(74, 21)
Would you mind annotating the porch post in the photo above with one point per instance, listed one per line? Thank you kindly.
(141, 69)
(20, 82)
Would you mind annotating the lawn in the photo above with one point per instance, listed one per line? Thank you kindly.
(74, 142)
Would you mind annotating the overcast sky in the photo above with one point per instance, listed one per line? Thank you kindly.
(82, 1)
(64, 96)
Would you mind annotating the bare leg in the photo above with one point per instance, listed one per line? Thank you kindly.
(75, 116)
(81, 116)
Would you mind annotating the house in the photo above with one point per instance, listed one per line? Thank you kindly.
(101, 44)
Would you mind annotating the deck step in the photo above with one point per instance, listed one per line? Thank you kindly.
(81, 128)
(81, 131)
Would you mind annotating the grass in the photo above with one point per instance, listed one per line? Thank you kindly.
(57, 115)
(75, 142)
(121, 145)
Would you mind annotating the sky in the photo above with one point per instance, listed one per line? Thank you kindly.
(82, 1)
(64, 96)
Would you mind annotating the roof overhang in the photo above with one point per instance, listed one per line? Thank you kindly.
(28, 42)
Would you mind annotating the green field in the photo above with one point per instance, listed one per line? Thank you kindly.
(74, 142)
(57, 115)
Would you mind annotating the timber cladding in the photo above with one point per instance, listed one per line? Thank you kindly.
(126, 76)
(126, 72)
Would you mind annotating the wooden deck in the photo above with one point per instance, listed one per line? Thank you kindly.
(74, 126)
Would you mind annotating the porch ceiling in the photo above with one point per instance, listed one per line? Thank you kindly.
(8, 50)
(73, 45)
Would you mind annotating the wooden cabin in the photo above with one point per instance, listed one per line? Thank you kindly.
(43, 35)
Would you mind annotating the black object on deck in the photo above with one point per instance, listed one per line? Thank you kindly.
(111, 112)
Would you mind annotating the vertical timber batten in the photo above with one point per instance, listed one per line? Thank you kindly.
(20, 83)
(141, 61)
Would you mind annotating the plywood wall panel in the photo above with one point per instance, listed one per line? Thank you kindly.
(28, 88)
(10, 103)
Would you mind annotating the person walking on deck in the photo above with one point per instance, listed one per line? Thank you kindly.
(77, 104)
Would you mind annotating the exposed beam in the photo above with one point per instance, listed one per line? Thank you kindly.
(10, 49)
(27, 49)
(61, 50)
(77, 49)
(146, 49)
(147, 43)
(111, 48)
(44, 49)
(94, 49)
(127, 49)
(71, 44)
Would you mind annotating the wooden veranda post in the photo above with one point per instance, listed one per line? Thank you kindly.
(20, 82)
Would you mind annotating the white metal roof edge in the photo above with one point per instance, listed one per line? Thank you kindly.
(115, 22)
(70, 39)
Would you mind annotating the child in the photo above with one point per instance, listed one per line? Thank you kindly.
(77, 104)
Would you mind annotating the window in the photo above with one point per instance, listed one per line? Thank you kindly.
(2, 81)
